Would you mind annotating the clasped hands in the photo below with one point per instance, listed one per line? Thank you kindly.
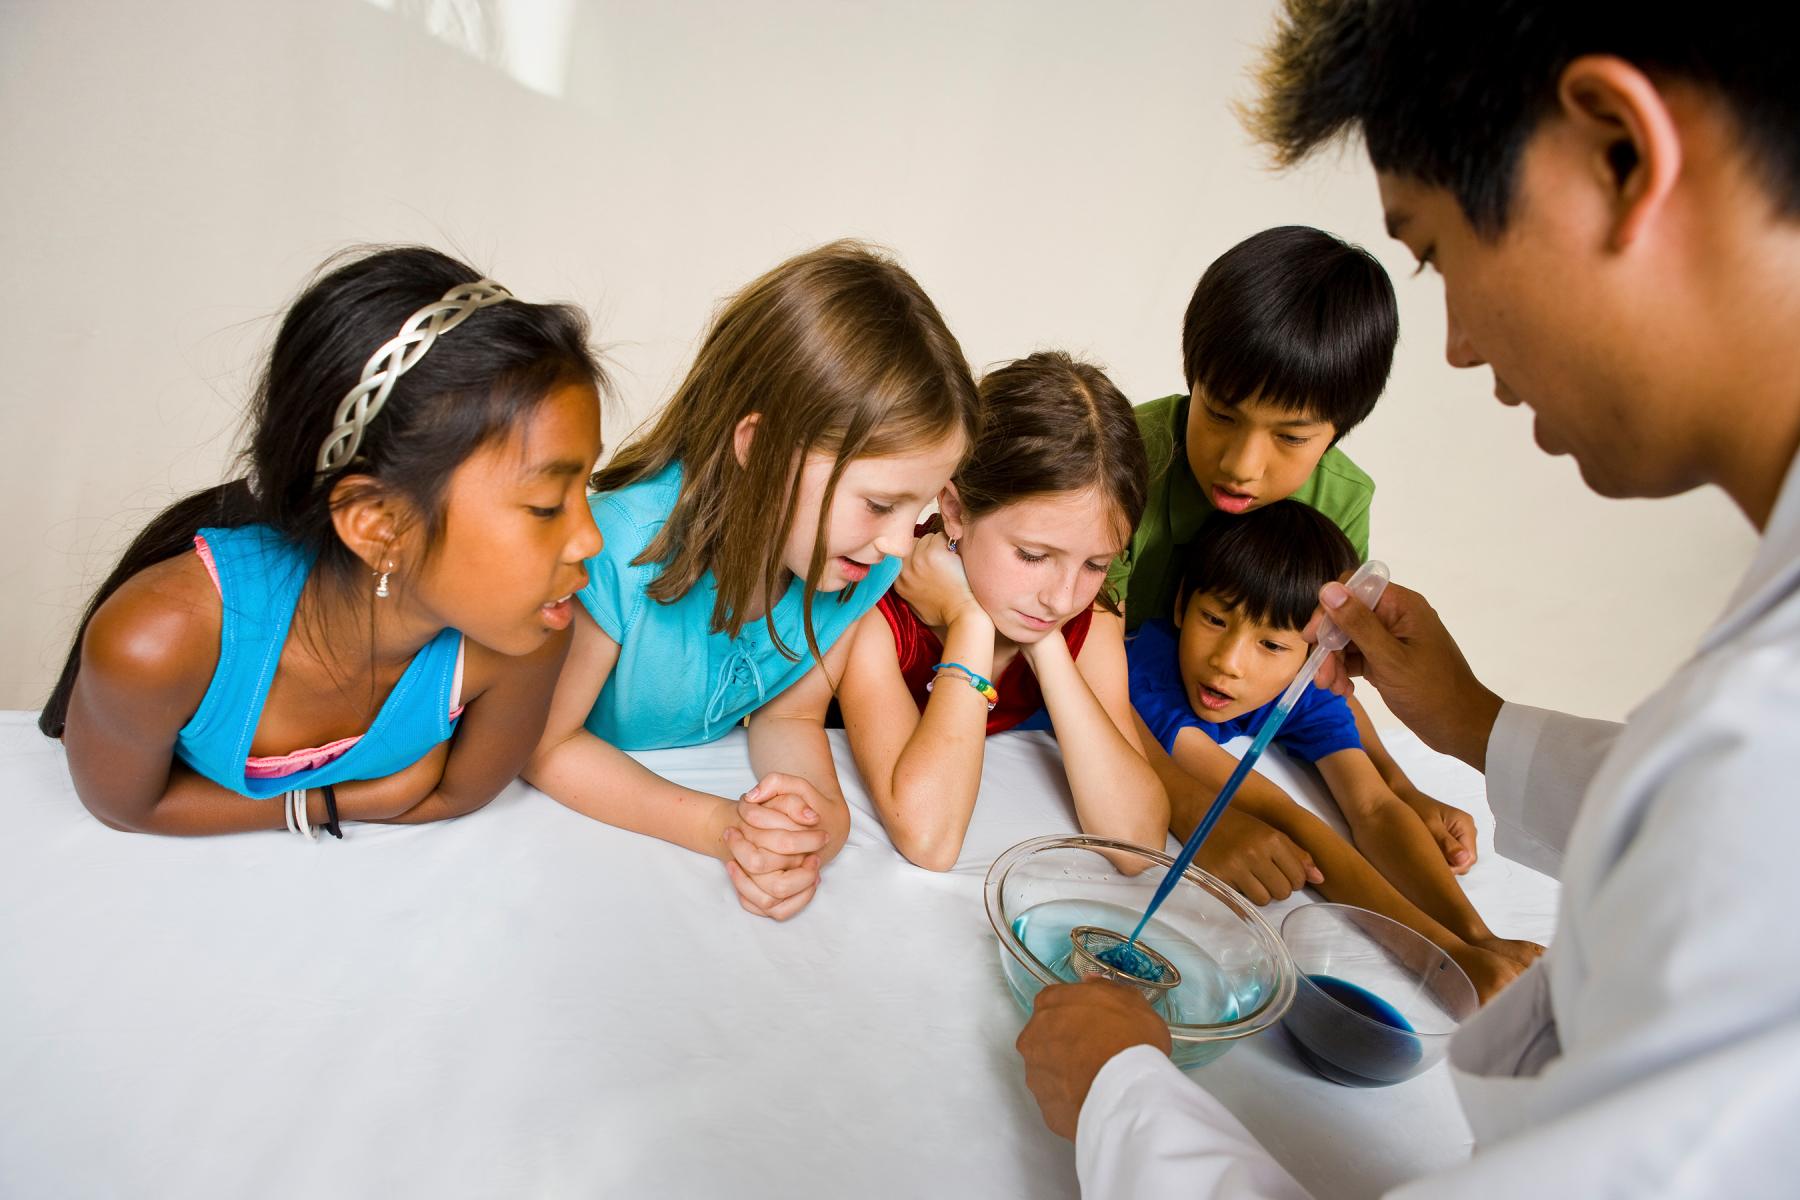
(772, 838)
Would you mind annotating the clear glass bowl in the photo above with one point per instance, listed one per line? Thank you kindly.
(1236, 976)
(1377, 1003)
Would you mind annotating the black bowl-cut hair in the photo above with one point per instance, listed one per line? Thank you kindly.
(1296, 318)
(1448, 92)
(1270, 562)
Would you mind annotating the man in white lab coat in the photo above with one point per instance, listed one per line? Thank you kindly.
(1611, 193)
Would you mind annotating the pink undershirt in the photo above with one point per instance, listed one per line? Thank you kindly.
(277, 765)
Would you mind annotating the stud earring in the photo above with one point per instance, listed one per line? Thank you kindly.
(952, 545)
(381, 588)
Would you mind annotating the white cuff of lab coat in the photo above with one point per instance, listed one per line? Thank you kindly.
(1148, 1130)
(1539, 765)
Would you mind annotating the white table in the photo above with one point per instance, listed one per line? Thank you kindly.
(526, 1002)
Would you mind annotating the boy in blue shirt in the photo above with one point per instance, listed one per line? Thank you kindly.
(1247, 588)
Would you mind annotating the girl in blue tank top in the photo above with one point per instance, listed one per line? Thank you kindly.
(746, 530)
(368, 626)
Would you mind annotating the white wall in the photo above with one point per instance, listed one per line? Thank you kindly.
(1056, 174)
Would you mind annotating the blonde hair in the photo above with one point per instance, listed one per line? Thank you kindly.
(837, 350)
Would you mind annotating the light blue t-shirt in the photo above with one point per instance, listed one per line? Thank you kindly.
(677, 681)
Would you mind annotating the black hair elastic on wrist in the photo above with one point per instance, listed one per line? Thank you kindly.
(331, 820)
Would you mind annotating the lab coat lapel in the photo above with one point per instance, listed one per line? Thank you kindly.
(1774, 572)
(1497, 1057)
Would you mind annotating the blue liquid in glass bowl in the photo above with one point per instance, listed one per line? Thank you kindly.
(1236, 978)
(1205, 996)
(1352, 1036)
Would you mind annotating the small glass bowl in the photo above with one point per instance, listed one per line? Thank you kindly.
(1377, 1003)
(1237, 979)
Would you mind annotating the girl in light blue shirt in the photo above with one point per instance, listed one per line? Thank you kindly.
(745, 531)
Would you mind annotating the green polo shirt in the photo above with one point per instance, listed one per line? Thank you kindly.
(1148, 574)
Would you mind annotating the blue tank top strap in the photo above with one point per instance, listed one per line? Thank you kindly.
(261, 575)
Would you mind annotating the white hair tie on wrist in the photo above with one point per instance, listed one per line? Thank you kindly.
(296, 813)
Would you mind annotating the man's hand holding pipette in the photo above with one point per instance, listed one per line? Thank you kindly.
(1403, 648)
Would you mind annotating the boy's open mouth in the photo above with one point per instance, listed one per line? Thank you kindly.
(1211, 697)
(1229, 499)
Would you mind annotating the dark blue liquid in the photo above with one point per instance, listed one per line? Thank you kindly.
(1347, 1050)
(1361, 1000)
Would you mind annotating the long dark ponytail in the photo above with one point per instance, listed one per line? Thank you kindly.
(474, 384)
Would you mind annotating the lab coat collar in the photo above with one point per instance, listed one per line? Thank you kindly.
(1774, 570)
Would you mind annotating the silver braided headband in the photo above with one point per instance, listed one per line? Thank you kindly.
(398, 356)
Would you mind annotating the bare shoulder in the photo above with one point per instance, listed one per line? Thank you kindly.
(158, 634)
(1107, 625)
(872, 655)
(1102, 660)
(871, 639)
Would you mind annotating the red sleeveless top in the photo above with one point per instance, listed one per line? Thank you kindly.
(919, 649)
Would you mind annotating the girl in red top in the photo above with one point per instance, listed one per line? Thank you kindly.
(998, 615)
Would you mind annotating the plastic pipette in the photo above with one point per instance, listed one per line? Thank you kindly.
(1370, 580)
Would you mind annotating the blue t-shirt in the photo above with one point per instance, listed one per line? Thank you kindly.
(677, 681)
(1321, 723)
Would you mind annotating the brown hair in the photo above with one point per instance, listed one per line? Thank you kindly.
(1055, 424)
(837, 350)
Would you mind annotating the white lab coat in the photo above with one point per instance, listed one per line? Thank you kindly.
(1655, 1049)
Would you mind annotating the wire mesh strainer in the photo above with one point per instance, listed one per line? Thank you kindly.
(1094, 947)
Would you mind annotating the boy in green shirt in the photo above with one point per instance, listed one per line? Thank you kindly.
(1286, 346)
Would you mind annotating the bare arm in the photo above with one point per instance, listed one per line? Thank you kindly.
(1117, 793)
(923, 770)
(147, 660)
(1395, 841)
(1451, 828)
(788, 744)
(1390, 770)
(602, 781)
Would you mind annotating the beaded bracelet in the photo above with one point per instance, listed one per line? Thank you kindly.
(979, 682)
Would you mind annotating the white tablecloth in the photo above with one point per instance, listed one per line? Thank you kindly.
(527, 1002)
